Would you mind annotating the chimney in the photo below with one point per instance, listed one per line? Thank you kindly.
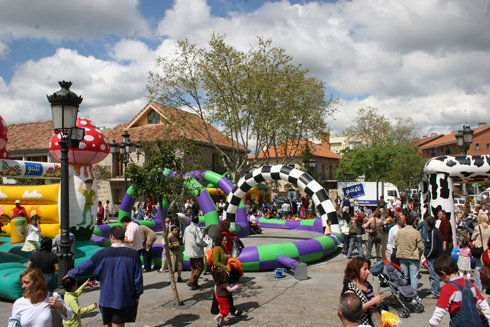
(326, 140)
(481, 124)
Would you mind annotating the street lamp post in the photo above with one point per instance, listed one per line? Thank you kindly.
(125, 149)
(464, 138)
(312, 171)
(64, 108)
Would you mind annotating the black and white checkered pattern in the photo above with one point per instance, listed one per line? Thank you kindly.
(289, 174)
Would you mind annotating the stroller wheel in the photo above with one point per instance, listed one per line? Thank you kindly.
(403, 312)
(418, 308)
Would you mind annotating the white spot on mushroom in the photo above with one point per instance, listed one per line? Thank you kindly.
(87, 129)
(59, 136)
(56, 144)
(102, 147)
(82, 145)
(105, 140)
(83, 122)
(89, 138)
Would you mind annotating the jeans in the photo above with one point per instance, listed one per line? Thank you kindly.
(411, 267)
(376, 241)
(478, 284)
(435, 287)
(346, 239)
(355, 239)
(146, 259)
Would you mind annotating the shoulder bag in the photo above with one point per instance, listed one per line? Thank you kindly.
(476, 252)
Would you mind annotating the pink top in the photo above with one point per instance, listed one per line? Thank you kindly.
(465, 252)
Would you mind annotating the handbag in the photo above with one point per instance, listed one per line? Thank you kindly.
(55, 317)
(485, 276)
(476, 252)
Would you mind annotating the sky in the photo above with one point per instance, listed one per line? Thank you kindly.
(428, 60)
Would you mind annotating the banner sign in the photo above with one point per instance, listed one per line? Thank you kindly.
(354, 191)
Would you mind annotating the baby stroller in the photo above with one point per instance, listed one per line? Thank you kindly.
(390, 275)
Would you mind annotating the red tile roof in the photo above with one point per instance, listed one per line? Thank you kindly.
(31, 137)
(450, 138)
(427, 139)
(318, 150)
(177, 124)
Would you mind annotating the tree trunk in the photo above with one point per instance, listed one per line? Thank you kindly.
(169, 260)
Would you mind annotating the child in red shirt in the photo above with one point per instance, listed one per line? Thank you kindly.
(452, 297)
(222, 290)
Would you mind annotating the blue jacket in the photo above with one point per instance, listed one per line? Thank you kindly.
(121, 278)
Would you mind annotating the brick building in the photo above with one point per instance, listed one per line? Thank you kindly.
(326, 161)
(157, 121)
(440, 145)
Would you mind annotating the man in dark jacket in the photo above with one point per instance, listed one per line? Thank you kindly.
(433, 251)
(121, 279)
(447, 232)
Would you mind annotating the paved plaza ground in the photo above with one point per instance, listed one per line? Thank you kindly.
(265, 300)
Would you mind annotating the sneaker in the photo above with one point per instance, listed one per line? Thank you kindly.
(180, 280)
(434, 297)
(414, 301)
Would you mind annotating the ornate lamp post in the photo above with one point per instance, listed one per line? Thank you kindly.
(64, 108)
(464, 138)
(125, 149)
(312, 171)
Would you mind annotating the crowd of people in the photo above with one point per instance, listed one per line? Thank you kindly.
(408, 240)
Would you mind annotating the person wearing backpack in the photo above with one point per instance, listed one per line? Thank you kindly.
(374, 226)
(458, 296)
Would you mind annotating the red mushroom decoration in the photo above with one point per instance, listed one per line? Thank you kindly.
(4, 153)
(92, 149)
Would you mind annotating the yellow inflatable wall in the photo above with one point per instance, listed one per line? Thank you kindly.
(41, 200)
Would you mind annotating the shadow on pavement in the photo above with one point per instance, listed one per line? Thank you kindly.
(180, 320)
(156, 285)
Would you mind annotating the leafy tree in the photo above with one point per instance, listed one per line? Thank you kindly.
(163, 174)
(385, 152)
(101, 173)
(258, 97)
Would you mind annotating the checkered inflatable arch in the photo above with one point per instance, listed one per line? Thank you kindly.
(285, 173)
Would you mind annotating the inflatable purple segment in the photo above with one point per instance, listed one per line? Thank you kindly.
(225, 185)
(292, 224)
(205, 202)
(98, 239)
(308, 246)
(197, 174)
(105, 229)
(287, 262)
(127, 203)
(249, 254)
(269, 265)
(242, 221)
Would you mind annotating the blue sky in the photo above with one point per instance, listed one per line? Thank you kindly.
(424, 59)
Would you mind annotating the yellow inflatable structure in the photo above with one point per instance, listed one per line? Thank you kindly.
(41, 200)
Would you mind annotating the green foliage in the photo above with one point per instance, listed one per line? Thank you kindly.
(257, 97)
(150, 178)
(101, 173)
(386, 151)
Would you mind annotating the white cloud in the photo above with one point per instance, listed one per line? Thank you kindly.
(425, 59)
(57, 20)
(3, 195)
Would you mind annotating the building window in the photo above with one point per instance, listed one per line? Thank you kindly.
(448, 150)
(477, 146)
(330, 172)
(153, 117)
(488, 146)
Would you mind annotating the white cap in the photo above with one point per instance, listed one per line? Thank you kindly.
(17, 201)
